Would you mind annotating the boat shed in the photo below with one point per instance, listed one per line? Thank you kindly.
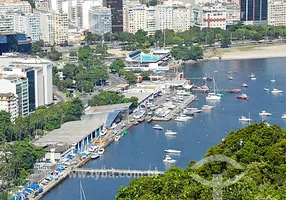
(76, 134)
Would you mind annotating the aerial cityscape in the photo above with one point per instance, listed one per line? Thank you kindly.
(142, 99)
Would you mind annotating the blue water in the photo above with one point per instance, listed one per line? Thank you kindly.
(146, 58)
(143, 147)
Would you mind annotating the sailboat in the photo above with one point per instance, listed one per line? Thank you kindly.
(213, 96)
(82, 194)
(245, 119)
(273, 80)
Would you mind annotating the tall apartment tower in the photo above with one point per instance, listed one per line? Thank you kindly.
(254, 12)
(116, 7)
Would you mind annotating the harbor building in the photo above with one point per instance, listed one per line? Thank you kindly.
(254, 12)
(18, 86)
(100, 20)
(277, 13)
(209, 16)
(9, 103)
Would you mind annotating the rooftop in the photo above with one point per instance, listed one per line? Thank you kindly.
(22, 60)
(107, 108)
(73, 132)
(6, 95)
(140, 95)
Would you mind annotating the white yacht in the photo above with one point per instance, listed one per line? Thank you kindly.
(100, 151)
(244, 85)
(213, 96)
(117, 138)
(169, 132)
(276, 91)
(245, 119)
(194, 110)
(158, 127)
(253, 78)
(103, 132)
(172, 151)
(283, 116)
(139, 114)
(251, 75)
(266, 89)
(168, 159)
(94, 155)
(207, 107)
(273, 79)
(182, 118)
(264, 113)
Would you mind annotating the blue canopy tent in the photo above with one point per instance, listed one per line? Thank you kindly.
(69, 156)
(58, 170)
(34, 186)
(29, 190)
(17, 197)
(83, 154)
(111, 118)
(41, 190)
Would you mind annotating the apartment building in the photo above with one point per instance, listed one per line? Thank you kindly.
(6, 23)
(277, 13)
(100, 20)
(22, 6)
(151, 20)
(182, 18)
(62, 28)
(163, 17)
(9, 103)
(48, 27)
(134, 18)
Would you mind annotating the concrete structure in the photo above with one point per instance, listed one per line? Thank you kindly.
(163, 17)
(151, 20)
(62, 27)
(277, 13)
(28, 24)
(182, 18)
(254, 12)
(209, 17)
(9, 103)
(134, 18)
(76, 134)
(232, 13)
(48, 27)
(100, 20)
(18, 86)
(55, 5)
(116, 7)
(6, 23)
(22, 6)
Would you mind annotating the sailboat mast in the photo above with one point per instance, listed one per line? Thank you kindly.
(80, 190)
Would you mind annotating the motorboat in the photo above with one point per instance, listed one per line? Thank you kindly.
(169, 132)
(242, 96)
(245, 119)
(230, 77)
(172, 151)
(273, 79)
(135, 123)
(207, 107)
(253, 78)
(182, 118)
(188, 112)
(276, 91)
(158, 127)
(94, 156)
(117, 138)
(213, 96)
(264, 113)
(168, 159)
(251, 75)
(100, 151)
(139, 114)
(244, 85)
(283, 116)
(194, 110)
(266, 89)
(103, 132)
(220, 95)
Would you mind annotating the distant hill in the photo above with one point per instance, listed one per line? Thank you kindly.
(259, 148)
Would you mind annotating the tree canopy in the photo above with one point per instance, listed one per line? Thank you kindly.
(258, 148)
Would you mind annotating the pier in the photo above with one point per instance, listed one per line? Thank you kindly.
(117, 172)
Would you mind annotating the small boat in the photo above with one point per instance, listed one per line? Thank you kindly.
(194, 110)
(168, 159)
(244, 85)
(251, 75)
(117, 138)
(220, 95)
(276, 91)
(253, 78)
(283, 116)
(230, 77)
(172, 151)
(100, 151)
(169, 132)
(149, 120)
(266, 89)
(158, 127)
(188, 112)
(94, 156)
(213, 96)
(135, 123)
(245, 119)
(182, 118)
(207, 107)
(242, 96)
(264, 113)
(273, 79)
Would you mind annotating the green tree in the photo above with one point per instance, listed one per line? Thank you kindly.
(225, 41)
(117, 65)
(110, 97)
(130, 77)
(101, 49)
(36, 48)
(145, 75)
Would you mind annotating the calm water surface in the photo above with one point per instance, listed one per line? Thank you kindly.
(143, 147)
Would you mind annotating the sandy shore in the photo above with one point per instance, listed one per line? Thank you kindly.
(252, 52)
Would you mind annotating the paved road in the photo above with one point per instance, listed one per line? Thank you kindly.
(60, 96)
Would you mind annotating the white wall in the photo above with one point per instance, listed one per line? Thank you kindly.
(6, 86)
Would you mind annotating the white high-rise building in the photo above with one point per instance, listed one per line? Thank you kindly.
(9, 103)
(100, 20)
(48, 27)
(6, 23)
(56, 5)
(134, 18)
(182, 18)
(277, 13)
(28, 24)
(163, 17)
(151, 20)
(22, 6)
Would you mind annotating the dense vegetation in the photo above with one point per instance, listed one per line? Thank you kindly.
(109, 98)
(53, 54)
(118, 65)
(259, 148)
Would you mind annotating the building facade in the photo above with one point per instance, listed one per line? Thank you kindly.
(9, 103)
(277, 13)
(163, 17)
(232, 13)
(100, 20)
(6, 23)
(151, 20)
(62, 28)
(22, 6)
(134, 18)
(48, 27)
(28, 24)
(209, 17)
(116, 7)
(15, 43)
(254, 12)
(182, 18)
